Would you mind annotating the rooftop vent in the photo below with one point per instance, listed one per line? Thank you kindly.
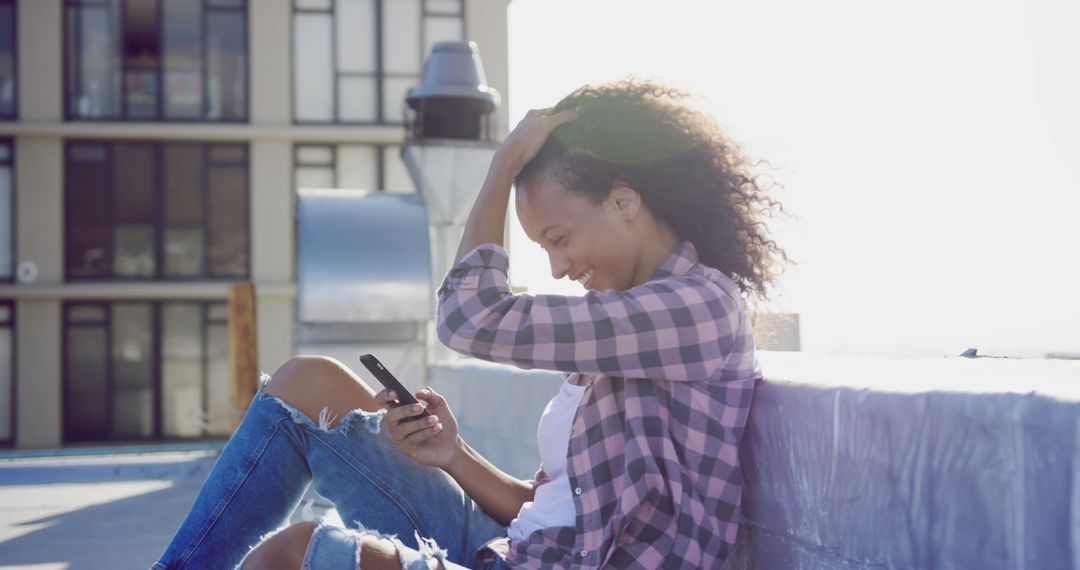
(453, 100)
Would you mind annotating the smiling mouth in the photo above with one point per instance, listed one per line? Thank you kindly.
(585, 278)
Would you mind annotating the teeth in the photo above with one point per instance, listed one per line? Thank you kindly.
(584, 279)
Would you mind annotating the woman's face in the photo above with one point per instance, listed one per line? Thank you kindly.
(594, 244)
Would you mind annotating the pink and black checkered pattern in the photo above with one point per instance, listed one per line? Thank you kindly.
(653, 458)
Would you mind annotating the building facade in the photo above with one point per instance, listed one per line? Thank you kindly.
(150, 152)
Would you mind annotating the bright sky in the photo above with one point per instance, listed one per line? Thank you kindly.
(929, 148)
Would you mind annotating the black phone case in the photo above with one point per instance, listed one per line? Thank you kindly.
(383, 375)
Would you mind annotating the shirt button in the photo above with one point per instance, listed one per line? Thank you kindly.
(577, 490)
(584, 553)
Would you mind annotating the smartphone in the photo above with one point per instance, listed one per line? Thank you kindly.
(387, 380)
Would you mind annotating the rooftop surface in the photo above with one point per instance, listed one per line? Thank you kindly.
(105, 511)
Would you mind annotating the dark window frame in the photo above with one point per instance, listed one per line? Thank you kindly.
(14, 116)
(10, 164)
(10, 323)
(159, 224)
(380, 159)
(156, 333)
(65, 373)
(379, 75)
(207, 5)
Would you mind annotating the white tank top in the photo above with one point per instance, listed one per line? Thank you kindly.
(552, 504)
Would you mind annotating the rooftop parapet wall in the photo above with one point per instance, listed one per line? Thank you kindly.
(911, 463)
(858, 462)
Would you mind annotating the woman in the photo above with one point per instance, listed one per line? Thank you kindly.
(649, 206)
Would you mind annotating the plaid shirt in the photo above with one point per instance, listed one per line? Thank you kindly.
(653, 458)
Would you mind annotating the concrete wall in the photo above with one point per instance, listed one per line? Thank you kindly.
(39, 225)
(38, 405)
(497, 409)
(40, 53)
(864, 463)
(272, 204)
(39, 219)
(39, 238)
(270, 25)
(272, 249)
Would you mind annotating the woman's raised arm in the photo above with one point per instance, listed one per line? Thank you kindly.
(487, 220)
(679, 327)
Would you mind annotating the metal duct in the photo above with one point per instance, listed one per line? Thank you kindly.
(362, 257)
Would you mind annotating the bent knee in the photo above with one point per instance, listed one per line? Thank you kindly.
(310, 372)
(314, 383)
(308, 365)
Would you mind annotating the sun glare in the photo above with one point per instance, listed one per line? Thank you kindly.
(927, 149)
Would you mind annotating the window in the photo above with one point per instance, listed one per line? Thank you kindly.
(7, 59)
(354, 60)
(7, 210)
(146, 370)
(355, 166)
(7, 372)
(156, 60)
(147, 210)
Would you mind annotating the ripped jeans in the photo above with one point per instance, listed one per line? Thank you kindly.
(266, 467)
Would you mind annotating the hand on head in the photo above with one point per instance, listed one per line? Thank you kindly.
(525, 141)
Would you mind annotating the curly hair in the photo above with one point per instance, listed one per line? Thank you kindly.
(688, 172)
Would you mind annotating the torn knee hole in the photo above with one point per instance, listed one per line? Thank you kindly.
(390, 549)
(385, 548)
(372, 421)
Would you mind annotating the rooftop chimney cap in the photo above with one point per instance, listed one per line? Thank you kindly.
(454, 70)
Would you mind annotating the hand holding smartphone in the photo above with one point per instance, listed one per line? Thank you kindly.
(383, 375)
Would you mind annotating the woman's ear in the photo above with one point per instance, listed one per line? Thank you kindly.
(625, 200)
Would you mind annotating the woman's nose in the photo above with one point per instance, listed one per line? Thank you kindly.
(559, 265)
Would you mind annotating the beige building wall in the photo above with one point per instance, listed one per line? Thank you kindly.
(39, 395)
(39, 137)
(39, 227)
(270, 100)
(39, 181)
(272, 250)
(272, 235)
(39, 235)
(485, 24)
(40, 34)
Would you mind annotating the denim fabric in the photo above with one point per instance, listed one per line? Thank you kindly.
(336, 547)
(266, 467)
